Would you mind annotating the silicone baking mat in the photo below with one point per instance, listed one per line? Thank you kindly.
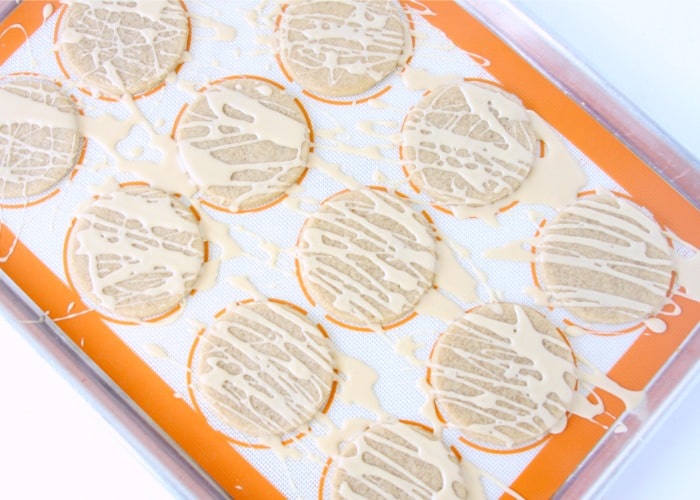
(151, 361)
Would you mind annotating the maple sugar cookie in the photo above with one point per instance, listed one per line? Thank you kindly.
(40, 141)
(342, 47)
(398, 460)
(123, 47)
(605, 260)
(244, 142)
(135, 252)
(265, 369)
(468, 144)
(502, 374)
(366, 257)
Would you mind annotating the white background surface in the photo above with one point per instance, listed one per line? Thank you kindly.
(53, 444)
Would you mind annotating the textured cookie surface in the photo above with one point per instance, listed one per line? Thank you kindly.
(265, 369)
(135, 252)
(342, 47)
(366, 257)
(123, 47)
(605, 260)
(468, 144)
(397, 460)
(40, 140)
(502, 374)
(244, 142)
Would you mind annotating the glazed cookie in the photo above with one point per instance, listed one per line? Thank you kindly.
(124, 47)
(502, 374)
(40, 141)
(604, 260)
(244, 142)
(397, 460)
(342, 47)
(366, 257)
(265, 369)
(135, 252)
(468, 144)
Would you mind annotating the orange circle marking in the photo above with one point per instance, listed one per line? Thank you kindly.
(415, 188)
(198, 409)
(569, 322)
(85, 90)
(307, 119)
(297, 271)
(343, 102)
(482, 447)
(105, 316)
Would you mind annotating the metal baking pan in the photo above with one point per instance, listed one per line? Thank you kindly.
(187, 479)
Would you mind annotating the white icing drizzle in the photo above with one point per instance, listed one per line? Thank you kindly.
(265, 368)
(241, 123)
(420, 79)
(374, 35)
(222, 32)
(574, 242)
(148, 243)
(123, 46)
(373, 229)
(507, 383)
(480, 141)
(451, 277)
(400, 457)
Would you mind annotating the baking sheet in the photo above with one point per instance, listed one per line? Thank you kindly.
(126, 352)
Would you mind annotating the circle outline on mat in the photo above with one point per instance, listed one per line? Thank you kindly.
(49, 193)
(106, 98)
(307, 120)
(358, 327)
(193, 396)
(570, 322)
(342, 101)
(95, 308)
(486, 447)
(442, 207)
(325, 473)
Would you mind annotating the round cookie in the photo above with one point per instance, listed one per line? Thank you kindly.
(468, 144)
(398, 460)
(40, 141)
(124, 47)
(244, 142)
(135, 252)
(366, 257)
(604, 260)
(342, 47)
(265, 369)
(503, 375)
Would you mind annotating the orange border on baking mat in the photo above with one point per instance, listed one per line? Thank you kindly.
(561, 454)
